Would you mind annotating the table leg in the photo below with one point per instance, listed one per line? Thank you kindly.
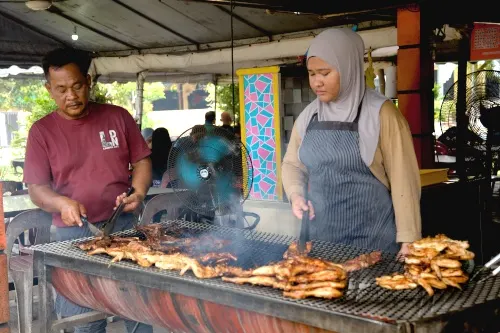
(45, 313)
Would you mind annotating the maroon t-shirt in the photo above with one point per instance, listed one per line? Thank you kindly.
(86, 159)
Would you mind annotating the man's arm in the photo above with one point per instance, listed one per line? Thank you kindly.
(37, 174)
(142, 176)
(44, 197)
(141, 182)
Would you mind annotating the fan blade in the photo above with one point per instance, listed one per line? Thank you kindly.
(223, 187)
(188, 173)
(212, 149)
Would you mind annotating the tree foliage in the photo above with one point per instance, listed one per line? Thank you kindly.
(123, 94)
(31, 96)
(224, 97)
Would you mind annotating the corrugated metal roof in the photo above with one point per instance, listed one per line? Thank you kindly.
(128, 25)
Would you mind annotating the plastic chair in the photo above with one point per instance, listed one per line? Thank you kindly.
(161, 202)
(22, 271)
(21, 266)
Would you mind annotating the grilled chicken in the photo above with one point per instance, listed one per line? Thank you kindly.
(218, 257)
(396, 282)
(293, 250)
(297, 274)
(432, 263)
(362, 261)
(315, 285)
(325, 292)
(267, 281)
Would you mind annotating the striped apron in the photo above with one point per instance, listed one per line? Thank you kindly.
(351, 205)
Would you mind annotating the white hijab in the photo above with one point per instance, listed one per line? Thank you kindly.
(343, 49)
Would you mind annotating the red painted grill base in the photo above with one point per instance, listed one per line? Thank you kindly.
(176, 312)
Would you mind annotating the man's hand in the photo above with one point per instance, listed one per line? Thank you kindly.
(71, 211)
(131, 202)
(299, 206)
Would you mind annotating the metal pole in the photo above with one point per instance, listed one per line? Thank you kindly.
(139, 100)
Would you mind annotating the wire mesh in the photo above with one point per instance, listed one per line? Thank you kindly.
(362, 297)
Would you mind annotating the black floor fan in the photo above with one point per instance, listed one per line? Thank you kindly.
(212, 174)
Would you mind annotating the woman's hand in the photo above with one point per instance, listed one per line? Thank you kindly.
(299, 206)
(405, 250)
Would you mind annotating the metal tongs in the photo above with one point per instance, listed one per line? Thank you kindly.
(304, 228)
(487, 266)
(109, 225)
(106, 229)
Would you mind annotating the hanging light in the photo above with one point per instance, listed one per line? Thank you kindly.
(74, 36)
(38, 4)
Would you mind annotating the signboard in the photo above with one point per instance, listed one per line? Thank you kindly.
(485, 42)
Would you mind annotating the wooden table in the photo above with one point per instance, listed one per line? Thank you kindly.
(17, 204)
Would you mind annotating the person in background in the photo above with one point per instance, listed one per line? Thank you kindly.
(77, 163)
(227, 120)
(147, 134)
(210, 118)
(161, 145)
(351, 151)
(237, 131)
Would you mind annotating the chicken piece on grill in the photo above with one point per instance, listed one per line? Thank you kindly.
(217, 257)
(455, 251)
(325, 292)
(396, 282)
(267, 281)
(326, 275)
(362, 261)
(455, 281)
(439, 243)
(183, 263)
(432, 263)
(103, 242)
(413, 260)
(293, 250)
(452, 272)
(315, 285)
(416, 270)
(237, 271)
(426, 285)
(447, 263)
(428, 253)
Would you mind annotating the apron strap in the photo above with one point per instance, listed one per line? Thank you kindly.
(356, 120)
(313, 120)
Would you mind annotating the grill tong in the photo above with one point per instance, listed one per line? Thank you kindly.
(487, 266)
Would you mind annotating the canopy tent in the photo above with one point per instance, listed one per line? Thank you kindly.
(111, 28)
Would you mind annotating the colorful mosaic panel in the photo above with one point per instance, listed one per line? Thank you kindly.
(261, 134)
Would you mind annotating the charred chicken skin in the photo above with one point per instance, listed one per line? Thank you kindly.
(298, 275)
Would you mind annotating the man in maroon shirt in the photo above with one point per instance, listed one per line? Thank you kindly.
(77, 161)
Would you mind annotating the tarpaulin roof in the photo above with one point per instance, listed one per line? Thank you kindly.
(123, 27)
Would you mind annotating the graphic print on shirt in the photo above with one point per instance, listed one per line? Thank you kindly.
(113, 143)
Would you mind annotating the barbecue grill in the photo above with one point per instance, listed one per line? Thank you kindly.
(187, 304)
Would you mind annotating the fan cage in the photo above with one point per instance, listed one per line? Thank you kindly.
(483, 88)
(482, 91)
(210, 170)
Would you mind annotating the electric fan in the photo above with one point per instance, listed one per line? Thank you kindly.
(211, 172)
(482, 141)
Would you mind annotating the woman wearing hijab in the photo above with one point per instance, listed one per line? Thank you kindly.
(161, 145)
(353, 149)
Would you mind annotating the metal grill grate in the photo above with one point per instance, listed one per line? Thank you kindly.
(362, 297)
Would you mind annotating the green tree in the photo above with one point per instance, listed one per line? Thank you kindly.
(31, 96)
(223, 94)
(123, 94)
